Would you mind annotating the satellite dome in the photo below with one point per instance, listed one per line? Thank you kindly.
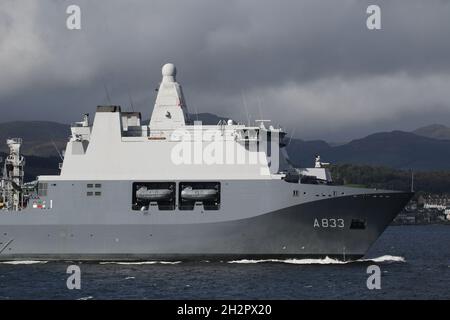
(169, 70)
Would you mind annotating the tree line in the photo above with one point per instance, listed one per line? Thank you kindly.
(437, 182)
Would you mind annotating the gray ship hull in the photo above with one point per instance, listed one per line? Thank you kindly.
(305, 230)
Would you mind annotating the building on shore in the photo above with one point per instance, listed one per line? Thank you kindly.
(439, 202)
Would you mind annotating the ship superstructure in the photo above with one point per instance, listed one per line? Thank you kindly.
(173, 187)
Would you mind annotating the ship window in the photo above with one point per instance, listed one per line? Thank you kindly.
(97, 193)
(295, 193)
(89, 193)
(98, 185)
(358, 224)
(90, 185)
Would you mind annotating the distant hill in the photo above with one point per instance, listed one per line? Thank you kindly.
(435, 131)
(37, 136)
(396, 149)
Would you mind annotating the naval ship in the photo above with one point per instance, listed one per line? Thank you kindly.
(174, 188)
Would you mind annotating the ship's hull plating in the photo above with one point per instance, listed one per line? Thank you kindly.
(314, 229)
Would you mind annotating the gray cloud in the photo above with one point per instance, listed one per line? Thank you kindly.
(311, 65)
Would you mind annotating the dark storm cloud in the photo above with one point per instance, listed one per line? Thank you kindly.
(309, 65)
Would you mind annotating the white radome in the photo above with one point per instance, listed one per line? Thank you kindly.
(169, 70)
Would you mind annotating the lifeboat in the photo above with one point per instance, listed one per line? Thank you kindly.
(153, 194)
(198, 194)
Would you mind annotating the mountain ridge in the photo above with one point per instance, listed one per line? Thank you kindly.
(436, 131)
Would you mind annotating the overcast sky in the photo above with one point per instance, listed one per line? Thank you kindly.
(312, 66)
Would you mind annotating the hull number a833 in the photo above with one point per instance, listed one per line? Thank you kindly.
(329, 223)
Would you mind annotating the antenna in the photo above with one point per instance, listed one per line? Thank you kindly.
(245, 107)
(412, 180)
(259, 108)
(56, 148)
(290, 138)
(131, 100)
(196, 111)
(107, 93)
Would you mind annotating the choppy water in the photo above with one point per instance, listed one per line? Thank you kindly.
(414, 261)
